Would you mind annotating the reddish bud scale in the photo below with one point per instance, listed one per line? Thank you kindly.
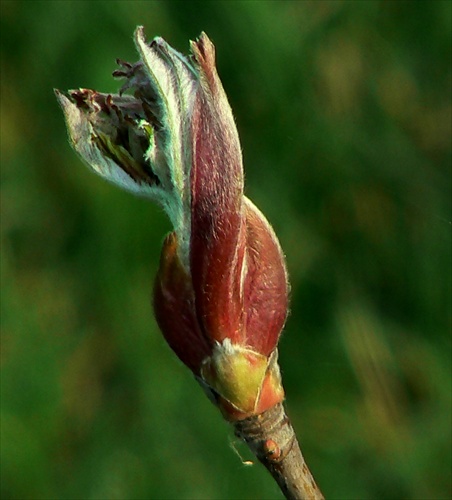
(265, 283)
(217, 238)
(175, 311)
(217, 241)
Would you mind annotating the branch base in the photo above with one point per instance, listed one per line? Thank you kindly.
(271, 438)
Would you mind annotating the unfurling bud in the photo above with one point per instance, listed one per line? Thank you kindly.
(221, 292)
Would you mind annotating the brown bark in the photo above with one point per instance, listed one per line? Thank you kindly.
(272, 439)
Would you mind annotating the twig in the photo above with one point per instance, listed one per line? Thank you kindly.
(271, 437)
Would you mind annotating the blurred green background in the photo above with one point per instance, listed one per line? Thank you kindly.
(344, 113)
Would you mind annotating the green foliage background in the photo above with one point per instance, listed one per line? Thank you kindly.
(344, 113)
